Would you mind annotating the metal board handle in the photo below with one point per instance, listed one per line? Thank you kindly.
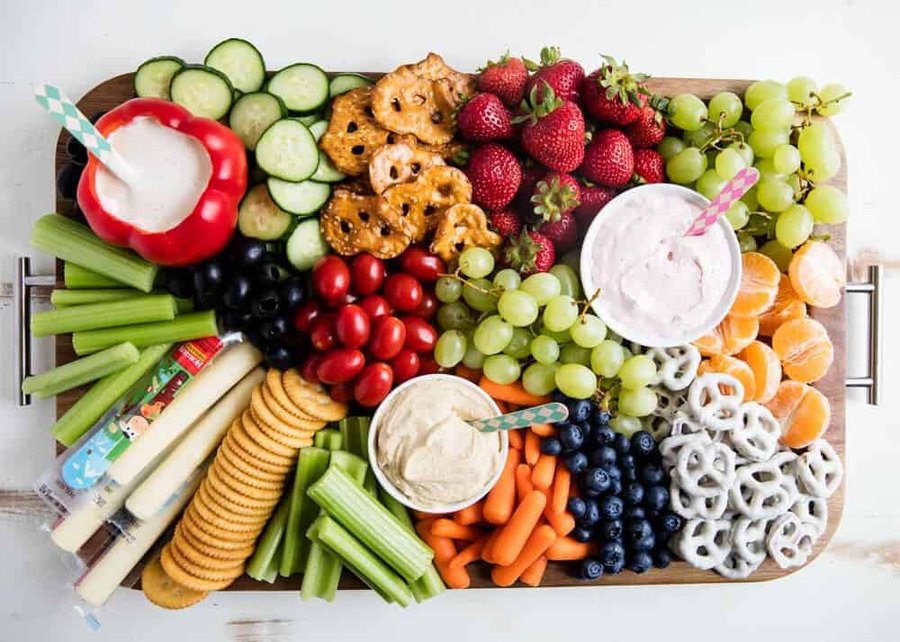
(872, 289)
(22, 287)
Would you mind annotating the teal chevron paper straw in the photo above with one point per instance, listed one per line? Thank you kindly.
(547, 413)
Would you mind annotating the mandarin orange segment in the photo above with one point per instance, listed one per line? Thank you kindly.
(766, 368)
(731, 336)
(734, 367)
(759, 285)
(817, 274)
(787, 306)
(804, 348)
(803, 411)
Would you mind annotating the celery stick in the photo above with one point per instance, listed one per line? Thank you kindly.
(270, 574)
(371, 522)
(329, 439)
(78, 278)
(356, 435)
(311, 463)
(81, 371)
(72, 241)
(91, 316)
(95, 402)
(364, 564)
(267, 545)
(67, 298)
(183, 328)
(183, 306)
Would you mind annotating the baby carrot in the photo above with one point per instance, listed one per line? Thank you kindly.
(499, 504)
(444, 551)
(523, 481)
(533, 575)
(502, 405)
(469, 554)
(532, 448)
(470, 515)
(512, 393)
(420, 515)
(568, 549)
(560, 496)
(514, 535)
(562, 523)
(539, 541)
(515, 439)
(542, 474)
(444, 527)
(543, 430)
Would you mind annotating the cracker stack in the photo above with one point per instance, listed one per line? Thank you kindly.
(218, 530)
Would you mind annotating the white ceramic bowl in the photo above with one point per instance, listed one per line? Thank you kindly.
(659, 340)
(390, 487)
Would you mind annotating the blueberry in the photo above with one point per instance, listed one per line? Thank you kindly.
(591, 569)
(559, 397)
(179, 283)
(579, 410)
(590, 492)
(586, 430)
(670, 522)
(651, 474)
(611, 507)
(635, 512)
(603, 435)
(570, 436)
(577, 507)
(634, 493)
(235, 295)
(638, 529)
(582, 534)
(615, 473)
(575, 462)
(642, 443)
(640, 562)
(277, 356)
(656, 497)
(615, 569)
(551, 446)
(644, 543)
(603, 456)
(67, 180)
(626, 461)
(629, 474)
(661, 558)
(612, 555)
(616, 487)
(611, 529)
(591, 513)
(597, 479)
(599, 417)
(621, 444)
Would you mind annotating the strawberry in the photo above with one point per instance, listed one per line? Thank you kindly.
(506, 222)
(495, 176)
(608, 159)
(563, 232)
(593, 199)
(648, 130)
(529, 252)
(562, 74)
(613, 95)
(555, 194)
(484, 118)
(552, 131)
(649, 166)
(505, 78)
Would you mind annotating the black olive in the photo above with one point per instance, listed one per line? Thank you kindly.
(250, 251)
(267, 273)
(67, 180)
(274, 329)
(199, 281)
(236, 319)
(265, 305)
(277, 356)
(204, 301)
(76, 151)
(96, 116)
(236, 293)
(213, 275)
(293, 293)
(254, 337)
(179, 283)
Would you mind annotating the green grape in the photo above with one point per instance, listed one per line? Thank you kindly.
(710, 183)
(728, 163)
(824, 168)
(447, 289)
(572, 259)
(728, 107)
(544, 349)
(569, 283)
(502, 369)
(761, 91)
(542, 286)
(815, 143)
(638, 402)
(572, 353)
(519, 347)
(450, 348)
(687, 112)
(626, 351)
(575, 380)
(766, 166)
(588, 331)
(560, 313)
(800, 89)
(478, 295)
(562, 337)
(492, 335)
(829, 94)
(539, 379)
(750, 199)
(473, 357)
(827, 204)
(793, 226)
(738, 214)
(775, 114)
(669, 146)
(774, 194)
(507, 279)
(476, 262)
(455, 316)
(796, 186)
(615, 338)
(699, 137)
(625, 425)
(786, 159)
(765, 141)
(747, 242)
(777, 252)
(637, 372)
(518, 307)
(686, 166)
(607, 358)
(744, 150)
(744, 129)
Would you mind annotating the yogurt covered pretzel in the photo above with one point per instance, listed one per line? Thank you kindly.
(790, 541)
(675, 367)
(763, 490)
(671, 446)
(705, 470)
(748, 548)
(756, 434)
(819, 469)
(714, 409)
(703, 543)
(812, 510)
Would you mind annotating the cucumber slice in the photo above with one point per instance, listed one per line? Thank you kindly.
(240, 61)
(253, 114)
(326, 172)
(287, 150)
(317, 129)
(306, 245)
(260, 218)
(153, 77)
(302, 87)
(204, 91)
(300, 199)
(308, 119)
(345, 82)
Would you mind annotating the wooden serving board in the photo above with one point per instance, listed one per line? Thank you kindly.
(116, 90)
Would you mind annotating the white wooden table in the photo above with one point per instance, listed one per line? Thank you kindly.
(851, 592)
